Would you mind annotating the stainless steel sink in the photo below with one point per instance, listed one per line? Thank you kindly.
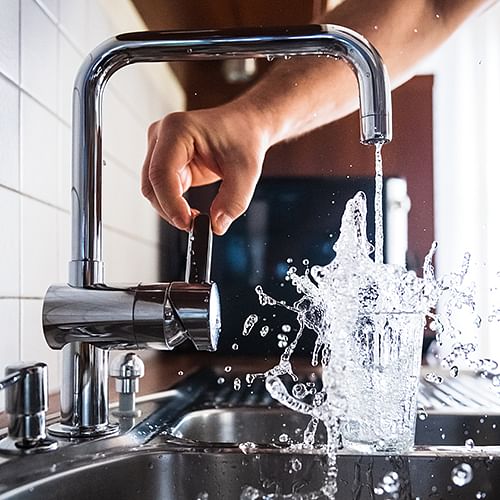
(266, 425)
(187, 453)
(160, 472)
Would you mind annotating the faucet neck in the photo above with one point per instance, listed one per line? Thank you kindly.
(86, 267)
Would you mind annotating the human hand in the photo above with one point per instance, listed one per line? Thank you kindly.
(200, 147)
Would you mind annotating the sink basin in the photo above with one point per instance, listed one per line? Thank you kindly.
(266, 425)
(157, 472)
(175, 453)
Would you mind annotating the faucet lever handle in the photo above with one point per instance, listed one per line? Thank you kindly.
(199, 251)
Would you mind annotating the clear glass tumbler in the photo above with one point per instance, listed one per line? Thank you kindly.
(380, 382)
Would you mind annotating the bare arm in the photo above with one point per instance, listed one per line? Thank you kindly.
(230, 142)
(304, 93)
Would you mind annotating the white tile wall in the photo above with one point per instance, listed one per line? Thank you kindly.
(39, 256)
(51, 8)
(9, 133)
(9, 243)
(42, 44)
(39, 147)
(9, 39)
(69, 62)
(38, 54)
(74, 22)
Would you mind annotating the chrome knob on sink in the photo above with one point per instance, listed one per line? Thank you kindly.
(26, 404)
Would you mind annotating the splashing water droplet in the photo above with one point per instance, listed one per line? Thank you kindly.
(284, 438)
(462, 474)
(247, 447)
(435, 379)
(249, 324)
(422, 414)
(295, 464)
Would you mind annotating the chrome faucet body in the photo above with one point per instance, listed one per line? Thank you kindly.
(86, 314)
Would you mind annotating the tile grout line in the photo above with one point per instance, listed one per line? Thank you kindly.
(20, 297)
(34, 198)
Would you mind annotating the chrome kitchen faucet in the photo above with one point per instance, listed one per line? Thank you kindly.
(86, 317)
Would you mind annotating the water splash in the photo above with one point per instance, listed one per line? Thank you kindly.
(368, 320)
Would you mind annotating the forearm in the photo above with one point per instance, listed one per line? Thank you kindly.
(303, 93)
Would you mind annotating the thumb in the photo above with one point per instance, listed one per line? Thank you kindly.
(234, 196)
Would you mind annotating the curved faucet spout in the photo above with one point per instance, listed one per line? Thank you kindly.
(86, 267)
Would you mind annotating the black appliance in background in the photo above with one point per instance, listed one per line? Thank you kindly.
(290, 221)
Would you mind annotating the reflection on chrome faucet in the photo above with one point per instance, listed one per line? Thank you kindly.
(86, 315)
(139, 316)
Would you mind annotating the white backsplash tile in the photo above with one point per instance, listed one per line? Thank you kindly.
(39, 250)
(122, 135)
(100, 25)
(124, 207)
(9, 243)
(128, 260)
(39, 54)
(39, 151)
(70, 61)
(9, 39)
(51, 8)
(73, 19)
(9, 133)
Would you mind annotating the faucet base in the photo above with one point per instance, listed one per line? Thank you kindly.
(69, 431)
(12, 446)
